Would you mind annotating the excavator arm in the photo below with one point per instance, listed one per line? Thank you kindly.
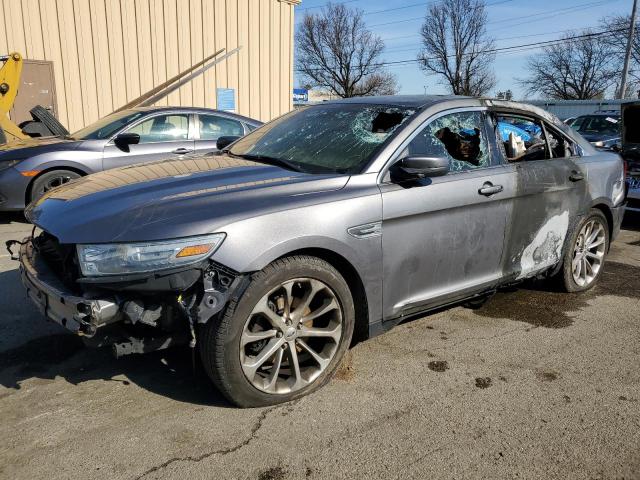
(9, 80)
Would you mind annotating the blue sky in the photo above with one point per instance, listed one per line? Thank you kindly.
(511, 22)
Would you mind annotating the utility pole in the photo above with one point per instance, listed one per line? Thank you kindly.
(627, 56)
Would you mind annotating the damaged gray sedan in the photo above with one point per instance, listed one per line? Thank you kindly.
(330, 224)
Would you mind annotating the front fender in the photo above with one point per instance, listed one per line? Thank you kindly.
(253, 243)
(85, 162)
(300, 243)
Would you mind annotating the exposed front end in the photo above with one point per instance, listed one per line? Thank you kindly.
(133, 312)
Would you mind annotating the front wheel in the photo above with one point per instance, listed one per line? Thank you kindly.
(585, 254)
(286, 335)
(50, 180)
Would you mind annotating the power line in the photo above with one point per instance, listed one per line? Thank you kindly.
(417, 45)
(512, 48)
(425, 4)
(545, 15)
(405, 7)
(420, 18)
(324, 4)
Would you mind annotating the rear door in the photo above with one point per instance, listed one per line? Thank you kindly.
(550, 192)
(443, 236)
(162, 136)
(210, 127)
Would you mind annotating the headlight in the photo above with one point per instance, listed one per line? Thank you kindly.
(599, 143)
(124, 258)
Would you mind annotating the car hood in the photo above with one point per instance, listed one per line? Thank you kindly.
(33, 146)
(172, 199)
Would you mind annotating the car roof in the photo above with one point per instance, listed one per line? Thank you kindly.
(409, 101)
(420, 102)
(600, 114)
(155, 109)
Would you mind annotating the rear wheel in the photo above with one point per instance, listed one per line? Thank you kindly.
(585, 254)
(50, 180)
(285, 337)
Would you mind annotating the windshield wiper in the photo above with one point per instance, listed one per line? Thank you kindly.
(278, 162)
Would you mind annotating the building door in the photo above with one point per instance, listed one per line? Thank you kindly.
(37, 87)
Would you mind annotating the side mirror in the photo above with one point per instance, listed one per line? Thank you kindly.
(225, 141)
(125, 139)
(415, 166)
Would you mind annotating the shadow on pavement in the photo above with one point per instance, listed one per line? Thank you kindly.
(34, 348)
(12, 217)
(631, 221)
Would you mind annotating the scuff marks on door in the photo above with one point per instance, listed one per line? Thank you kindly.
(546, 248)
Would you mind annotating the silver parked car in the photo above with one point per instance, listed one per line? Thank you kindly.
(32, 167)
(333, 222)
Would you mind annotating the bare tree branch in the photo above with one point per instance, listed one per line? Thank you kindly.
(577, 69)
(455, 46)
(336, 52)
(617, 41)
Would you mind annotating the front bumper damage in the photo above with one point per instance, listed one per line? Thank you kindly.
(80, 315)
(129, 315)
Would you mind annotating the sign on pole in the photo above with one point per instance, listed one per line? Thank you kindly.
(300, 95)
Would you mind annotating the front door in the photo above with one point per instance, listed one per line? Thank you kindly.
(165, 136)
(443, 237)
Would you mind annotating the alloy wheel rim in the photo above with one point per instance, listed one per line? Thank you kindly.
(55, 182)
(291, 336)
(588, 253)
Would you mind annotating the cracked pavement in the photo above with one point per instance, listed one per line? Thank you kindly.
(535, 384)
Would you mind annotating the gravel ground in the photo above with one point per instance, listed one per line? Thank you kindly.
(535, 384)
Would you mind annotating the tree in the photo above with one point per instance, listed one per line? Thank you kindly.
(336, 52)
(574, 69)
(455, 46)
(618, 26)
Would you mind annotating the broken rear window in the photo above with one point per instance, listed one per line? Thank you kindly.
(326, 138)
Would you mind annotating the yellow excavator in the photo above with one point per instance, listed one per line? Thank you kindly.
(9, 80)
(43, 123)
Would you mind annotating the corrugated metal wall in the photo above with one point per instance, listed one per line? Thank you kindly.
(107, 52)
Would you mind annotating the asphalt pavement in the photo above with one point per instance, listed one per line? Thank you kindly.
(535, 384)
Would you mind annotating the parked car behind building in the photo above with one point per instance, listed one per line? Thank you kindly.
(30, 168)
(334, 220)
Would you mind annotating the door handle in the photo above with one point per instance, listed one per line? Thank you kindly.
(181, 151)
(576, 176)
(489, 189)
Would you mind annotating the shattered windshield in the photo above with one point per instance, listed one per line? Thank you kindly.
(325, 138)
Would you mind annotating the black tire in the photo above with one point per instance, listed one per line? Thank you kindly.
(220, 337)
(41, 114)
(566, 277)
(49, 180)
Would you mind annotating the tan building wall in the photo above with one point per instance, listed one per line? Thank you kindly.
(108, 52)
